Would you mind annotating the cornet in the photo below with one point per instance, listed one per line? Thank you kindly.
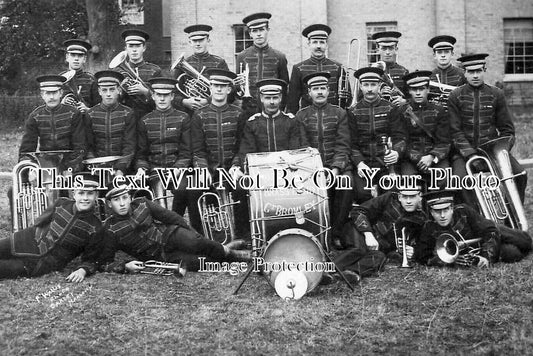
(244, 89)
(163, 268)
(400, 246)
(73, 98)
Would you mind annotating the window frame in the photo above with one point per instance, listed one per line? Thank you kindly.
(512, 28)
(372, 54)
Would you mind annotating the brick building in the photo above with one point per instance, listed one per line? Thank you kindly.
(502, 28)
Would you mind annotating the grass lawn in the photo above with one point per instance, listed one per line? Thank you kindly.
(418, 311)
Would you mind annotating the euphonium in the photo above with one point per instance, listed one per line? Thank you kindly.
(448, 248)
(502, 205)
(344, 79)
(217, 216)
(132, 76)
(163, 268)
(191, 83)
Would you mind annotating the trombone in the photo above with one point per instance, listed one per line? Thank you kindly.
(344, 79)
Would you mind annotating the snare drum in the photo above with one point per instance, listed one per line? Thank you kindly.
(275, 207)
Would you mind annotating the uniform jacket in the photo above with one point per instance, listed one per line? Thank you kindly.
(326, 129)
(112, 132)
(470, 224)
(215, 135)
(60, 128)
(61, 234)
(269, 133)
(477, 115)
(163, 140)
(298, 89)
(264, 62)
(142, 233)
(397, 72)
(419, 143)
(140, 103)
(450, 75)
(381, 214)
(83, 86)
(367, 122)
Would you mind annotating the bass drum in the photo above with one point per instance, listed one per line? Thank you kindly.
(276, 206)
(306, 258)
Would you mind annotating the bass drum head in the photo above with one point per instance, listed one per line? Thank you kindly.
(299, 247)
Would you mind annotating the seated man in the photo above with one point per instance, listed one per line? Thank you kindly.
(464, 223)
(147, 231)
(65, 230)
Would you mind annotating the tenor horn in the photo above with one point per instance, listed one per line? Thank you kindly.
(503, 204)
(217, 216)
(448, 248)
(191, 83)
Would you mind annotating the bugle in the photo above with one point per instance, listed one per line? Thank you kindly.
(216, 212)
(448, 248)
(159, 268)
(344, 79)
(191, 83)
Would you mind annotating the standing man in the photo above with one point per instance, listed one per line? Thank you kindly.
(137, 91)
(479, 113)
(263, 61)
(428, 140)
(446, 72)
(317, 39)
(80, 91)
(370, 121)
(111, 125)
(324, 126)
(388, 51)
(200, 60)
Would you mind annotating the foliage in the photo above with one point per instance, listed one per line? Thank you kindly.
(15, 109)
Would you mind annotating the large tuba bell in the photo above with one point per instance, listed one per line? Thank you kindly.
(502, 205)
(448, 248)
(191, 83)
(217, 216)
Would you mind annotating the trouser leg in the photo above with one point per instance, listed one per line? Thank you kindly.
(191, 242)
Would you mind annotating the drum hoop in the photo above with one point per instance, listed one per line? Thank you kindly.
(100, 160)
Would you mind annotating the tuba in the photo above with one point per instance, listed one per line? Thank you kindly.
(344, 79)
(502, 205)
(216, 212)
(191, 83)
(448, 248)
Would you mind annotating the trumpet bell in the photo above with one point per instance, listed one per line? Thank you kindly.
(118, 60)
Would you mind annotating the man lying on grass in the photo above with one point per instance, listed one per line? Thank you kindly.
(147, 231)
(65, 230)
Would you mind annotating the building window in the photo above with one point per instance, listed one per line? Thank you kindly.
(371, 28)
(518, 39)
(131, 12)
(242, 38)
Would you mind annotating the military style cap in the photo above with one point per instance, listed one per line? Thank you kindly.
(134, 36)
(317, 78)
(439, 199)
(473, 61)
(369, 74)
(114, 192)
(51, 82)
(412, 189)
(271, 86)
(442, 42)
(108, 78)
(319, 31)
(220, 76)
(90, 182)
(386, 38)
(197, 32)
(418, 78)
(163, 85)
(77, 46)
(256, 20)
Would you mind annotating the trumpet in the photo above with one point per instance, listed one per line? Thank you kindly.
(400, 246)
(344, 79)
(159, 268)
(448, 248)
(387, 81)
(244, 89)
(217, 216)
(191, 83)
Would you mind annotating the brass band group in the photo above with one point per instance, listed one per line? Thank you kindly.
(368, 125)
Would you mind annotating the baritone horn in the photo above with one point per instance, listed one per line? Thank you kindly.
(448, 248)
(216, 212)
(191, 83)
(28, 201)
(346, 73)
(503, 204)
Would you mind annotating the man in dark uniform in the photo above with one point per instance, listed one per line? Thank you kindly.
(270, 130)
(446, 72)
(428, 140)
(138, 96)
(317, 40)
(67, 229)
(164, 142)
(263, 61)
(200, 60)
(324, 126)
(369, 121)
(388, 50)
(111, 126)
(479, 113)
(80, 91)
